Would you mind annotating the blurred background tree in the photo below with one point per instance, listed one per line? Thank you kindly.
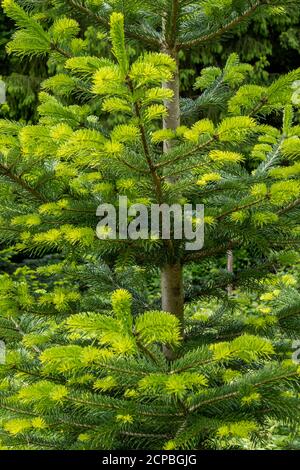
(22, 78)
(271, 44)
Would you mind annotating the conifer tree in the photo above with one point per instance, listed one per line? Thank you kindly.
(234, 148)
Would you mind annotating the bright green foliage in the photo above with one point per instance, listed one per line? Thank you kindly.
(31, 39)
(76, 164)
(259, 37)
(78, 374)
(99, 381)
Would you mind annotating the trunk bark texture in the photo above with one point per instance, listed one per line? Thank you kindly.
(172, 293)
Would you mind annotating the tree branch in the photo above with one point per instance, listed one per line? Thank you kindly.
(132, 167)
(197, 255)
(290, 207)
(105, 23)
(60, 51)
(19, 181)
(237, 393)
(227, 27)
(185, 155)
(155, 177)
(238, 208)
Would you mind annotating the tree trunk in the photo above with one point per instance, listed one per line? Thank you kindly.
(171, 282)
(230, 269)
(172, 121)
(172, 295)
(172, 289)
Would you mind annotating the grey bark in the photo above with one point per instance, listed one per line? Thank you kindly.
(172, 297)
(172, 273)
(230, 269)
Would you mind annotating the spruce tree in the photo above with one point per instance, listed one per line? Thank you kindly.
(112, 126)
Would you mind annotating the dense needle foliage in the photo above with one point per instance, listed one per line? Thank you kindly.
(94, 361)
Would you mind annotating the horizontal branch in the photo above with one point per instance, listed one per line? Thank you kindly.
(227, 27)
(238, 208)
(111, 406)
(20, 182)
(132, 167)
(185, 155)
(197, 255)
(290, 207)
(237, 393)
